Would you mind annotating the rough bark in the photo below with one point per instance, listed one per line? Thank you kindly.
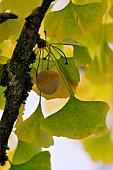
(18, 80)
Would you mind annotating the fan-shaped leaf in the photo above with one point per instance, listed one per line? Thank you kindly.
(3, 60)
(29, 131)
(94, 72)
(70, 69)
(20, 7)
(82, 56)
(103, 145)
(40, 161)
(81, 53)
(77, 119)
(101, 69)
(10, 27)
(82, 19)
(20, 118)
(24, 152)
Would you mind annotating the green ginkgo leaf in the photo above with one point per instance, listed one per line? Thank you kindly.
(106, 33)
(29, 131)
(80, 52)
(20, 116)
(85, 1)
(40, 161)
(82, 19)
(77, 119)
(20, 7)
(70, 69)
(2, 98)
(95, 73)
(9, 28)
(103, 145)
(3, 60)
(109, 32)
(82, 56)
(101, 69)
(111, 12)
(24, 152)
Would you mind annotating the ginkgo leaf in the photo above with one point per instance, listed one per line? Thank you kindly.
(111, 11)
(106, 55)
(3, 60)
(20, 7)
(24, 152)
(109, 32)
(106, 33)
(86, 1)
(81, 53)
(70, 69)
(77, 119)
(101, 69)
(94, 72)
(82, 19)
(82, 56)
(33, 74)
(20, 118)
(2, 98)
(7, 50)
(29, 131)
(40, 161)
(90, 15)
(9, 28)
(54, 24)
(103, 145)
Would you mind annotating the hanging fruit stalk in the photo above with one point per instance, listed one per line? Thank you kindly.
(48, 80)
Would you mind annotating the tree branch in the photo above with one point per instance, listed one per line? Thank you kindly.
(18, 79)
(7, 15)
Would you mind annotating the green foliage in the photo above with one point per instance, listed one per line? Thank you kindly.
(2, 98)
(77, 119)
(69, 69)
(86, 26)
(20, 118)
(5, 53)
(82, 19)
(32, 132)
(82, 56)
(3, 59)
(40, 161)
(24, 152)
(9, 28)
(103, 145)
(101, 68)
(20, 7)
(80, 52)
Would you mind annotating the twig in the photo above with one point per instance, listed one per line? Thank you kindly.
(7, 15)
(19, 81)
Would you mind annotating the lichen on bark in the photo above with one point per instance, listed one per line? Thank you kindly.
(18, 80)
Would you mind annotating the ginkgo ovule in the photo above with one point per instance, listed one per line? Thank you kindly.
(48, 81)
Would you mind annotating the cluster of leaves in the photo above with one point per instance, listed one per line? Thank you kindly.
(87, 28)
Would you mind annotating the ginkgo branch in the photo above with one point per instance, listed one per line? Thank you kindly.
(7, 15)
(18, 80)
